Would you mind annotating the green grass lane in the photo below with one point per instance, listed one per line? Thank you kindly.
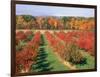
(55, 62)
(89, 63)
(47, 60)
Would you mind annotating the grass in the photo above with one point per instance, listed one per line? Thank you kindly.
(47, 60)
(90, 62)
(56, 64)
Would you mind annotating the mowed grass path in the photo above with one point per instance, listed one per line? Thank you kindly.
(47, 60)
(56, 63)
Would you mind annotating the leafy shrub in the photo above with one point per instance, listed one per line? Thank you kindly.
(20, 45)
(24, 58)
(27, 18)
(20, 35)
(73, 54)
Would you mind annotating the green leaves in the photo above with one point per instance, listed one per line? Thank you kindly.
(27, 18)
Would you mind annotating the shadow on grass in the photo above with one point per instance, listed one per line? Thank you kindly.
(83, 62)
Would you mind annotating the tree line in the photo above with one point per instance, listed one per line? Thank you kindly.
(54, 23)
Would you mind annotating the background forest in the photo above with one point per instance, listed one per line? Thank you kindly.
(54, 23)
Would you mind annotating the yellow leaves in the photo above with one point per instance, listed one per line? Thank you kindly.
(20, 20)
(83, 24)
(53, 22)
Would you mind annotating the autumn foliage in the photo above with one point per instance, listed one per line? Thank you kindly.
(69, 45)
(25, 57)
(54, 23)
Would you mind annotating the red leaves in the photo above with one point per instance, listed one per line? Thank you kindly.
(25, 57)
(61, 35)
(27, 33)
(66, 37)
(51, 38)
(86, 41)
(20, 36)
(83, 40)
(55, 43)
(66, 45)
(27, 54)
